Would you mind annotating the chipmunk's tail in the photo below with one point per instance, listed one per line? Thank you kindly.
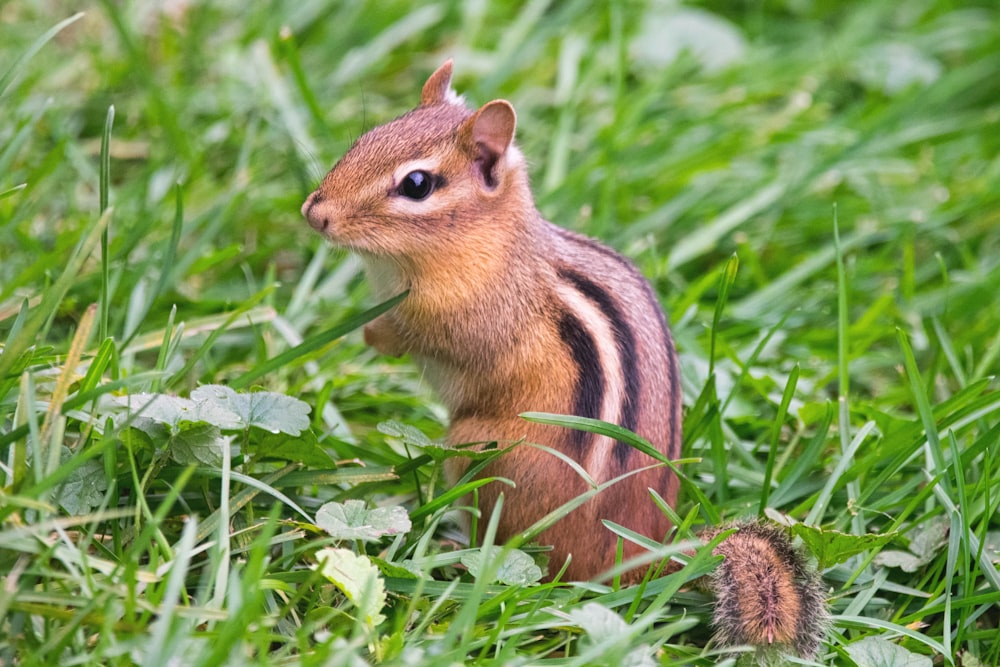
(766, 594)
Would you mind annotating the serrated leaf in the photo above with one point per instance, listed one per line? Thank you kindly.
(904, 560)
(929, 538)
(475, 562)
(517, 568)
(439, 453)
(84, 488)
(408, 434)
(832, 547)
(140, 440)
(352, 520)
(159, 408)
(926, 541)
(267, 410)
(601, 624)
(416, 570)
(877, 652)
(966, 659)
(393, 570)
(173, 411)
(391, 647)
(303, 449)
(358, 578)
(200, 443)
(414, 437)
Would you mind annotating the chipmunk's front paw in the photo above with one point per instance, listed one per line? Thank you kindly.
(381, 334)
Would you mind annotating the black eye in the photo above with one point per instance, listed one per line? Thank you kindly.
(417, 185)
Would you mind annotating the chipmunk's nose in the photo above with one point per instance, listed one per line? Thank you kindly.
(315, 217)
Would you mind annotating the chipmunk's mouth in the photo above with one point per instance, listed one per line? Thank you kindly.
(338, 226)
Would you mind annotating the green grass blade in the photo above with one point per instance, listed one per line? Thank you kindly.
(53, 296)
(772, 451)
(934, 452)
(105, 183)
(314, 343)
(8, 78)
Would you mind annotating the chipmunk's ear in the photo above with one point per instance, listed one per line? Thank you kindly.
(489, 133)
(438, 87)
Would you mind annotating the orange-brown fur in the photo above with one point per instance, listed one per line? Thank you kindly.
(486, 317)
(508, 313)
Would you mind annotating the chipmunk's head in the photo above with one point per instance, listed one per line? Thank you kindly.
(436, 176)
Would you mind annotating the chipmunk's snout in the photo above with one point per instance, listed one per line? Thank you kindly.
(314, 214)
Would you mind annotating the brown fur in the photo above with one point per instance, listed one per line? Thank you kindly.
(498, 324)
(508, 313)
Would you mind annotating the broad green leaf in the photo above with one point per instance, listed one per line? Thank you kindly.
(517, 568)
(201, 444)
(966, 659)
(408, 434)
(143, 438)
(414, 437)
(929, 538)
(877, 652)
(904, 560)
(393, 570)
(221, 407)
(352, 520)
(84, 488)
(603, 625)
(268, 410)
(831, 547)
(391, 646)
(173, 410)
(358, 578)
(598, 621)
(303, 449)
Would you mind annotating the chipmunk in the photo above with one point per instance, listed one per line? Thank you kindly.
(509, 313)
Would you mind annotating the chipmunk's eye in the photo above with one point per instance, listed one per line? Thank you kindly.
(417, 185)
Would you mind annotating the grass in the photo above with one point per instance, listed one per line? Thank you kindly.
(820, 216)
